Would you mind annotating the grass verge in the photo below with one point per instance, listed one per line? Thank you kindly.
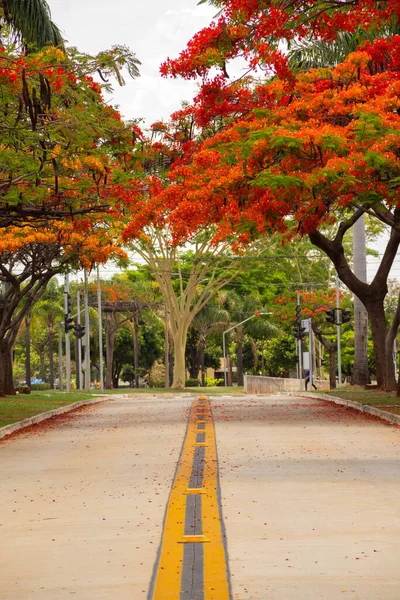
(383, 400)
(23, 406)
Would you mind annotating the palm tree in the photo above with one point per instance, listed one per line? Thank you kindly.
(211, 318)
(30, 21)
(47, 312)
(240, 308)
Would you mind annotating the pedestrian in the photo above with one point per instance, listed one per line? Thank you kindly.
(307, 375)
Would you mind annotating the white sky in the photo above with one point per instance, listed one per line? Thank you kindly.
(153, 29)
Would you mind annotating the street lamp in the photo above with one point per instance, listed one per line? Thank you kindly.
(257, 314)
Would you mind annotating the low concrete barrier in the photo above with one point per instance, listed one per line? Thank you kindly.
(254, 384)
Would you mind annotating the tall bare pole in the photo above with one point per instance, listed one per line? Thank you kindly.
(360, 373)
(99, 310)
(79, 345)
(300, 352)
(67, 338)
(87, 332)
(60, 355)
(339, 345)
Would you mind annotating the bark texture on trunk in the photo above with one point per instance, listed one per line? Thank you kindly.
(51, 358)
(6, 372)
(371, 295)
(28, 376)
(392, 333)
(240, 338)
(180, 337)
(360, 372)
(136, 350)
(202, 351)
(110, 342)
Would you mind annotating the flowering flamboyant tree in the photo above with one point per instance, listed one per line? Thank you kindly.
(60, 148)
(58, 138)
(186, 281)
(309, 160)
(28, 260)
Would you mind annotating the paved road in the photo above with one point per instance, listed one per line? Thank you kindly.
(310, 500)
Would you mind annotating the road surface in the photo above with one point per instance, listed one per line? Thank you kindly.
(309, 494)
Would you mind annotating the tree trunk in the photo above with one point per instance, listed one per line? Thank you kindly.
(110, 340)
(228, 358)
(371, 295)
(136, 350)
(391, 336)
(51, 358)
(240, 337)
(28, 349)
(332, 368)
(179, 380)
(385, 376)
(6, 371)
(42, 360)
(202, 347)
(360, 373)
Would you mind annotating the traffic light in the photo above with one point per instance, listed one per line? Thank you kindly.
(330, 316)
(298, 314)
(69, 304)
(346, 316)
(299, 331)
(68, 323)
(79, 331)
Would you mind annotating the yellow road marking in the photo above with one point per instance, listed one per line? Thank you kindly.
(169, 572)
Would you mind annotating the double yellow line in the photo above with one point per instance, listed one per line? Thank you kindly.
(171, 564)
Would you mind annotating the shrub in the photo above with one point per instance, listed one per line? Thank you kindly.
(24, 389)
(157, 383)
(192, 383)
(40, 386)
(211, 382)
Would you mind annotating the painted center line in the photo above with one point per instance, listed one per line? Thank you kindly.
(192, 562)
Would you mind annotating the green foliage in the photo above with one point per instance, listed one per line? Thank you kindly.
(40, 386)
(31, 21)
(211, 382)
(192, 383)
(279, 356)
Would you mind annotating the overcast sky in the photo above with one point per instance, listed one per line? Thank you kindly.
(153, 29)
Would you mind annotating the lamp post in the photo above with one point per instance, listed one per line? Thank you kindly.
(234, 327)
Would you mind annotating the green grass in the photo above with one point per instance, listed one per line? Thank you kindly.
(366, 396)
(385, 400)
(23, 406)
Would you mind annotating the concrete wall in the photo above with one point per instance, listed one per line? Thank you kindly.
(267, 385)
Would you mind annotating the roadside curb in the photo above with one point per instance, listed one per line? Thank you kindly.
(364, 408)
(18, 425)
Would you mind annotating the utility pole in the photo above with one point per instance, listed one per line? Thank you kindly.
(78, 344)
(99, 309)
(60, 355)
(339, 353)
(67, 334)
(87, 333)
(300, 352)
(310, 352)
